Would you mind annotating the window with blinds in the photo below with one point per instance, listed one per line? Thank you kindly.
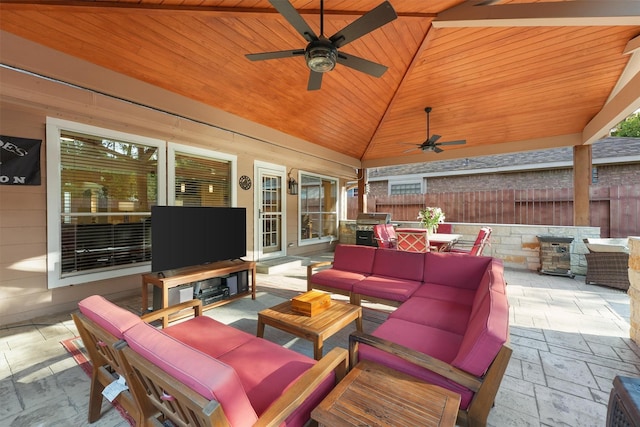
(107, 190)
(202, 181)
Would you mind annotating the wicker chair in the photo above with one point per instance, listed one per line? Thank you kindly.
(607, 267)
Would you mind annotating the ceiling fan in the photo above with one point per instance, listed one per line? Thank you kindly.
(321, 53)
(430, 143)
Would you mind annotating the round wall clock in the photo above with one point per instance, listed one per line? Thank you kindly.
(245, 182)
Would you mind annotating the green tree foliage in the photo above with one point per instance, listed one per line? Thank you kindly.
(629, 127)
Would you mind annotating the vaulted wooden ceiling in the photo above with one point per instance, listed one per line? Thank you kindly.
(507, 76)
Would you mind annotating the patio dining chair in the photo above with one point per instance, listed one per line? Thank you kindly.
(473, 248)
(413, 240)
(385, 236)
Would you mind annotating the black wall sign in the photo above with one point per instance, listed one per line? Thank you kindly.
(19, 161)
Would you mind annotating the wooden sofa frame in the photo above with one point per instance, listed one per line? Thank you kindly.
(147, 400)
(485, 388)
(100, 346)
(184, 407)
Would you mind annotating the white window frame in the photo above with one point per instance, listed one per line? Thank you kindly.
(54, 245)
(324, 239)
(174, 148)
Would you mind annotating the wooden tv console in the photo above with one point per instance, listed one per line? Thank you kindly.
(183, 276)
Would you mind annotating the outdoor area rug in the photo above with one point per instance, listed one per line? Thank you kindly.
(75, 348)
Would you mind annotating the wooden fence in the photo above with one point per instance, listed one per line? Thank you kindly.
(616, 210)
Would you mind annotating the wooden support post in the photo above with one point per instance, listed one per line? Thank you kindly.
(581, 184)
(362, 196)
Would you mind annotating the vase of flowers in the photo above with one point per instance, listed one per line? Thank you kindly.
(430, 217)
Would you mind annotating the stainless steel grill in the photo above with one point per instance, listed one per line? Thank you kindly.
(364, 226)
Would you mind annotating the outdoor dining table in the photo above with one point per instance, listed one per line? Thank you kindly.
(416, 240)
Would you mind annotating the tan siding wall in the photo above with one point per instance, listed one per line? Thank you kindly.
(25, 103)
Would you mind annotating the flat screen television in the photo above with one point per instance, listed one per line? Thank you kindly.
(187, 236)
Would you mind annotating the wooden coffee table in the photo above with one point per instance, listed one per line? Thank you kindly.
(374, 395)
(314, 328)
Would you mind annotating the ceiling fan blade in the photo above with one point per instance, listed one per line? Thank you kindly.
(437, 149)
(292, 16)
(432, 140)
(315, 81)
(458, 142)
(360, 64)
(412, 149)
(274, 55)
(374, 19)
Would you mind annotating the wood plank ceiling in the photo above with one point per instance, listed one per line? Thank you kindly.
(505, 75)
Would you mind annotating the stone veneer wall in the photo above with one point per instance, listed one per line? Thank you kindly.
(516, 245)
(634, 288)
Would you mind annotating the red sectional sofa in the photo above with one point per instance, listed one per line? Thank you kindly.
(247, 380)
(451, 325)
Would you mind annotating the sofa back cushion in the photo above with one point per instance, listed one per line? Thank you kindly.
(487, 330)
(356, 258)
(115, 320)
(399, 264)
(452, 269)
(203, 374)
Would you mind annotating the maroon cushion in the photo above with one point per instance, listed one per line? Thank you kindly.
(267, 376)
(207, 376)
(389, 288)
(263, 378)
(487, 331)
(445, 315)
(451, 269)
(112, 318)
(446, 293)
(338, 279)
(437, 343)
(399, 264)
(357, 258)
(208, 335)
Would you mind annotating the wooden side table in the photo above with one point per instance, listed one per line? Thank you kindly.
(374, 395)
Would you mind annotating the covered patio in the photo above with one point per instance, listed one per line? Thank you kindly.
(569, 341)
(505, 76)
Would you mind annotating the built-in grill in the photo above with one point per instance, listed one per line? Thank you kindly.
(364, 227)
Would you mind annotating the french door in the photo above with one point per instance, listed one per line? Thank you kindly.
(270, 213)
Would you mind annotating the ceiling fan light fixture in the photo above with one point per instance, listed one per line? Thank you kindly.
(321, 56)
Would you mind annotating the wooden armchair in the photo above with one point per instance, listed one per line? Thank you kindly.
(185, 407)
(106, 365)
(485, 388)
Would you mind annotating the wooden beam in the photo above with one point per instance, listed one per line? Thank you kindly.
(147, 8)
(632, 46)
(631, 69)
(426, 41)
(568, 140)
(624, 103)
(545, 14)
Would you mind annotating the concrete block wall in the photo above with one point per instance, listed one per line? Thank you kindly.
(516, 245)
